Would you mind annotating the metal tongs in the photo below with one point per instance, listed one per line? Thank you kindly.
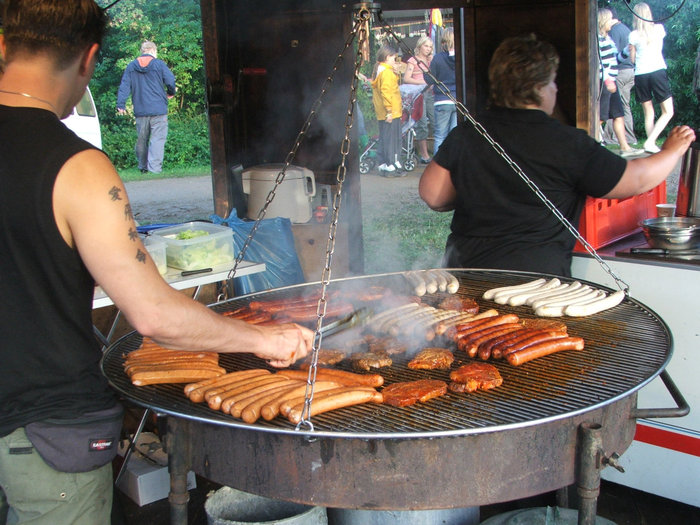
(356, 318)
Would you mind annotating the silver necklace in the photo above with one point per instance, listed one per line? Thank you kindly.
(30, 96)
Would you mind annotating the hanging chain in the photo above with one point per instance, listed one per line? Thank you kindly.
(228, 292)
(361, 27)
(621, 284)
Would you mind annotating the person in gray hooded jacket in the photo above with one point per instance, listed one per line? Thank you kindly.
(150, 83)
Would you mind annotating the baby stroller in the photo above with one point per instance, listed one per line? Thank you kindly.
(411, 112)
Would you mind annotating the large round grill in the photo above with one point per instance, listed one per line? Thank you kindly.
(518, 439)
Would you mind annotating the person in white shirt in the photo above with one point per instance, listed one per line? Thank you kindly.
(650, 78)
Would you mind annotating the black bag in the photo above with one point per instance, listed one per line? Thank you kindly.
(81, 444)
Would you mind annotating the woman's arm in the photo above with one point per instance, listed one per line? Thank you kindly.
(643, 174)
(436, 189)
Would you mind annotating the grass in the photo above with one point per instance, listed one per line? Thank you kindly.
(133, 174)
(406, 236)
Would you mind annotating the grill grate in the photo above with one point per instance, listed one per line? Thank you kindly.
(626, 347)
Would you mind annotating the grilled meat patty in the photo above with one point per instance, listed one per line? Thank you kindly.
(368, 360)
(432, 358)
(475, 376)
(410, 392)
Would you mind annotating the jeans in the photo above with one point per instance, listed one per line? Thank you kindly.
(445, 121)
(32, 491)
(150, 142)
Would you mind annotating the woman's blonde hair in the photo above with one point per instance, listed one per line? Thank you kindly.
(604, 16)
(421, 41)
(641, 24)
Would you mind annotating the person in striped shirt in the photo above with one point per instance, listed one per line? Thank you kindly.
(610, 101)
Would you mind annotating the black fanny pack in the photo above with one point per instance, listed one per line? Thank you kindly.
(81, 444)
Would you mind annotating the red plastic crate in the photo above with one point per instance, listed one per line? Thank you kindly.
(604, 221)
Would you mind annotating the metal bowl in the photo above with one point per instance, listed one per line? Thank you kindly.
(672, 233)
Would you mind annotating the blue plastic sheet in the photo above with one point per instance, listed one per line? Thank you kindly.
(272, 244)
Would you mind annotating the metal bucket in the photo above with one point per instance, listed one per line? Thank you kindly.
(541, 516)
(463, 516)
(229, 506)
(688, 199)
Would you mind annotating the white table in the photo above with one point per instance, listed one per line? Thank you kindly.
(175, 279)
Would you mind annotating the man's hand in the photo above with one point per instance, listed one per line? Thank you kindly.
(121, 111)
(286, 344)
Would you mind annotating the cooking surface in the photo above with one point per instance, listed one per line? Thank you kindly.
(626, 347)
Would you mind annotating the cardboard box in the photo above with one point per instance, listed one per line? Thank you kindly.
(146, 478)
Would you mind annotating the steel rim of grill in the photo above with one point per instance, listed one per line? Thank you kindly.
(626, 348)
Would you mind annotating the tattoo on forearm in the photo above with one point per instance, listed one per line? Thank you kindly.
(127, 212)
(115, 193)
(133, 234)
(140, 256)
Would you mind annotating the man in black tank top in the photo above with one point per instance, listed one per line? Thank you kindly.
(66, 225)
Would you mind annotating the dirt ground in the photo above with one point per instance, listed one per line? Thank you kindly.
(186, 199)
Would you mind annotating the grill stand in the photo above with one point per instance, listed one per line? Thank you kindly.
(269, 464)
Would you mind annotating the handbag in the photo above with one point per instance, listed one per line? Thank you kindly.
(79, 444)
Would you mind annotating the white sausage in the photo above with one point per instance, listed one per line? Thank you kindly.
(431, 284)
(573, 291)
(452, 282)
(578, 297)
(580, 310)
(548, 290)
(505, 296)
(440, 278)
(555, 293)
(489, 294)
(418, 283)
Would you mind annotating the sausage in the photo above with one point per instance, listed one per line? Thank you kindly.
(563, 297)
(248, 408)
(513, 339)
(418, 283)
(271, 408)
(431, 282)
(520, 296)
(484, 349)
(598, 305)
(441, 279)
(171, 365)
(471, 344)
(556, 308)
(215, 396)
(557, 291)
(157, 377)
(490, 294)
(545, 348)
(452, 282)
(491, 345)
(336, 401)
(468, 329)
(228, 401)
(533, 339)
(445, 326)
(201, 386)
(340, 376)
(378, 320)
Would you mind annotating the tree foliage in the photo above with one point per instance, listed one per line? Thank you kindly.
(680, 51)
(176, 29)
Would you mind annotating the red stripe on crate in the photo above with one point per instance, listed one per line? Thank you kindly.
(667, 439)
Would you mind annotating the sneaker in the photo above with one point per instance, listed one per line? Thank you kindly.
(425, 161)
(398, 165)
(631, 152)
(387, 167)
(650, 147)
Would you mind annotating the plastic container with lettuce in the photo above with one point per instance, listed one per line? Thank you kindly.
(197, 245)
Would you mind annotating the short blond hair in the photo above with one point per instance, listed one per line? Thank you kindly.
(447, 41)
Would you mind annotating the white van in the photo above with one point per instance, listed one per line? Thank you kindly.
(84, 121)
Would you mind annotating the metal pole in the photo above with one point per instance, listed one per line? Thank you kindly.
(178, 448)
(590, 464)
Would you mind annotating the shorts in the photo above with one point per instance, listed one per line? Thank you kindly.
(30, 490)
(610, 105)
(652, 85)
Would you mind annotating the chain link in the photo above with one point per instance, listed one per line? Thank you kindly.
(621, 284)
(362, 28)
